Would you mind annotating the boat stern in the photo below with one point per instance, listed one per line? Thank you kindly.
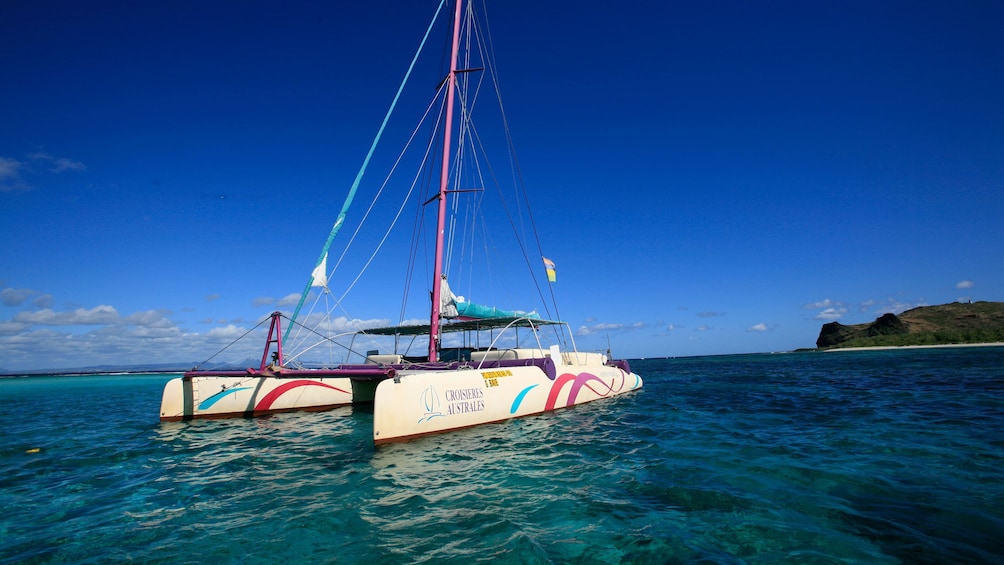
(173, 406)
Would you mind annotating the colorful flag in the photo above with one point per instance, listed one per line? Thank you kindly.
(552, 275)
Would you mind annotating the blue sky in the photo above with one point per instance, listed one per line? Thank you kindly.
(711, 177)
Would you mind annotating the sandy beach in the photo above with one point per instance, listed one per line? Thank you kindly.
(879, 347)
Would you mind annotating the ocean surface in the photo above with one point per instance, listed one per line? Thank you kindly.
(849, 457)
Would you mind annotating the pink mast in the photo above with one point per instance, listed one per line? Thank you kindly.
(437, 271)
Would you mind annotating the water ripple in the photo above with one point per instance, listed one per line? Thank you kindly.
(859, 457)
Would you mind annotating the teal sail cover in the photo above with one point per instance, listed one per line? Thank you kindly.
(471, 310)
(453, 306)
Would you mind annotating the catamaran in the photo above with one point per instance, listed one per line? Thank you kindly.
(478, 364)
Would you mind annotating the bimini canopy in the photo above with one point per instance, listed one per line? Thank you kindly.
(465, 326)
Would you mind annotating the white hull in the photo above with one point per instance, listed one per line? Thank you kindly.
(418, 404)
(226, 396)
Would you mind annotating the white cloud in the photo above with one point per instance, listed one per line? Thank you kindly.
(964, 284)
(149, 319)
(45, 340)
(287, 301)
(761, 327)
(15, 296)
(14, 171)
(230, 332)
(9, 169)
(834, 310)
(19, 296)
(325, 324)
(603, 328)
(62, 164)
(56, 164)
(898, 306)
(598, 328)
(831, 314)
(11, 327)
(102, 314)
(88, 337)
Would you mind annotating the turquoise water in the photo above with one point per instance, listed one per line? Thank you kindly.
(855, 457)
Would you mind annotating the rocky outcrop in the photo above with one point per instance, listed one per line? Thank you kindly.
(980, 322)
(834, 333)
(887, 324)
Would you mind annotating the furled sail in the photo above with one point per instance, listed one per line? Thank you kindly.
(453, 306)
(447, 300)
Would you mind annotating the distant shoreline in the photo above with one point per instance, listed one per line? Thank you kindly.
(77, 373)
(939, 346)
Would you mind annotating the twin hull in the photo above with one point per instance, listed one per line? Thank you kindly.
(201, 396)
(417, 404)
(407, 404)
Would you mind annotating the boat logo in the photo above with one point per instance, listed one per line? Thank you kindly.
(430, 403)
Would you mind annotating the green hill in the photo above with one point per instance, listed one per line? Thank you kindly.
(946, 324)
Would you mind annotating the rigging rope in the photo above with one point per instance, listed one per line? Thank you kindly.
(339, 303)
(245, 334)
(396, 216)
(362, 170)
(520, 183)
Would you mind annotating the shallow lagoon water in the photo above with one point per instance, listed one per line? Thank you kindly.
(852, 457)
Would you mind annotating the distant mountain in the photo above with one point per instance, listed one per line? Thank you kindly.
(946, 324)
